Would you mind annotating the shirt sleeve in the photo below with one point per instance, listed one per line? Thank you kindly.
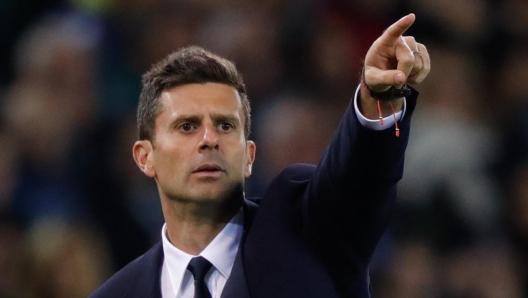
(376, 124)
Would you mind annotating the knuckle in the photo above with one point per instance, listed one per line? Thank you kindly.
(368, 76)
(423, 49)
(408, 60)
(427, 67)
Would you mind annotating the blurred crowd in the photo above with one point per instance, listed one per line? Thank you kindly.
(74, 208)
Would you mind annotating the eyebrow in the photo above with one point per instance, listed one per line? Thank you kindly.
(223, 117)
(185, 118)
(197, 119)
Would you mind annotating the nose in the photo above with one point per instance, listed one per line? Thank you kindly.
(209, 139)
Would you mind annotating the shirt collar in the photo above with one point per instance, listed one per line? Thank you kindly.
(221, 252)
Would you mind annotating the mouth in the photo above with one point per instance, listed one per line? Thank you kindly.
(208, 168)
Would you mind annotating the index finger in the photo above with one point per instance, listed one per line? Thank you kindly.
(396, 30)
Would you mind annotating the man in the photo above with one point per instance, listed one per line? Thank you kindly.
(315, 229)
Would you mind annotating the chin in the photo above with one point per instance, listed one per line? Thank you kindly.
(209, 193)
(235, 192)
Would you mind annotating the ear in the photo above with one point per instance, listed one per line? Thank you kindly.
(250, 157)
(142, 152)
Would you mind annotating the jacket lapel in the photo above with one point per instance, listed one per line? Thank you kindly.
(147, 281)
(236, 285)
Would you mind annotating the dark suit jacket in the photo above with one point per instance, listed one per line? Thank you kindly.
(314, 231)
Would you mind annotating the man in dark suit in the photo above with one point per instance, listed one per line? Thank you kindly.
(314, 231)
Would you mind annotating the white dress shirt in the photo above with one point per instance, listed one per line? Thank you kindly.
(177, 281)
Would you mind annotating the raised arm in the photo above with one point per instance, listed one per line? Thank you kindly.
(351, 195)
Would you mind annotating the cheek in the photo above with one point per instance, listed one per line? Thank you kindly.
(170, 162)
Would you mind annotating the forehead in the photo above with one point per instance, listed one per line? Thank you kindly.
(201, 98)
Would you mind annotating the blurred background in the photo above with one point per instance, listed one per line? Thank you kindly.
(74, 208)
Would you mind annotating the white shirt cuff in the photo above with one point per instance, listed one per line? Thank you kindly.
(376, 123)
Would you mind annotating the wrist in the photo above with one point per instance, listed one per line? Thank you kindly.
(368, 105)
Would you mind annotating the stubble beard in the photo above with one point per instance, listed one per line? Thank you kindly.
(225, 205)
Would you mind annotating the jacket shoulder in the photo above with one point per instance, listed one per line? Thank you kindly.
(122, 283)
(299, 172)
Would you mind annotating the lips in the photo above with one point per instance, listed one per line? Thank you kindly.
(208, 168)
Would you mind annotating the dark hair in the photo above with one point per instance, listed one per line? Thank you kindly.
(186, 66)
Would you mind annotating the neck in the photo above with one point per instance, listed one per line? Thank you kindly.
(191, 226)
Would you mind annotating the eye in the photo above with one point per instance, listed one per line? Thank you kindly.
(226, 126)
(186, 127)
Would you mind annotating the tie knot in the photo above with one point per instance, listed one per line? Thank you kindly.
(199, 266)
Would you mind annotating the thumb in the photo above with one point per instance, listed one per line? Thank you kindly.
(381, 80)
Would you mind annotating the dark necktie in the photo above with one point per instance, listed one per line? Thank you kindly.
(199, 267)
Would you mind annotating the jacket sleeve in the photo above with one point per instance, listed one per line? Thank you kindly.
(350, 197)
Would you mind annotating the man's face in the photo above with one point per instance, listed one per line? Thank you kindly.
(200, 151)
